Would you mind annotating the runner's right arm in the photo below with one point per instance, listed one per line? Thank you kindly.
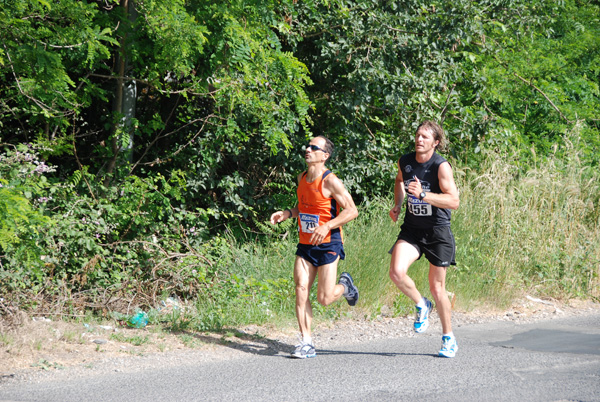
(399, 194)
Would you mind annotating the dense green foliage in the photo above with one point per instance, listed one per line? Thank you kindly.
(141, 139)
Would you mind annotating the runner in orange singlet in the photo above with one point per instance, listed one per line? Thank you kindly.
(324, 205)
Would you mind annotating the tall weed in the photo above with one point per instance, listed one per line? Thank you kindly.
(529, 231)
(518, 231)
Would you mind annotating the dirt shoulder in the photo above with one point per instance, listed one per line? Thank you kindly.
(42, 345)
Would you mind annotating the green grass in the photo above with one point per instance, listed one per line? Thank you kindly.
(72, 337)
(528, 232)
(517, 231)
(136, 340)
(6, 339)
(189, 341)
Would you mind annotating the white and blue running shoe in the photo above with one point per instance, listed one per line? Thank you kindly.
(422, 317)
(304, 350)
(449, 347)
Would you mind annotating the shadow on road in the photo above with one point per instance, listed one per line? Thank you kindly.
(384, 354)
(263, 346)
(238, 340)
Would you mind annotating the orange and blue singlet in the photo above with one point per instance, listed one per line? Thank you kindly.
(316, 210)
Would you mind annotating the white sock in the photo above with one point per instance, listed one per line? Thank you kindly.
(307, 340)
(421, 304)
(451, 335)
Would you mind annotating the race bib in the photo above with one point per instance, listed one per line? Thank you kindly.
(418, 207)
(308, 222)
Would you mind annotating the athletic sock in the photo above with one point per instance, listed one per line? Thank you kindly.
(451, 335)
(345, 289)
(307, 340)
(421, 304)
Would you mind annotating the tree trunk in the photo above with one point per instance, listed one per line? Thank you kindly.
(124, 103)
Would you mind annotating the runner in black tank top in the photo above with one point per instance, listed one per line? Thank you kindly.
(426, 181)
(419, 213)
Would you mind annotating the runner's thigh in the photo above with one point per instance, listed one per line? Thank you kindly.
(403, 255)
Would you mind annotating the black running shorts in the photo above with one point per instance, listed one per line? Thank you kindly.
(436, 243)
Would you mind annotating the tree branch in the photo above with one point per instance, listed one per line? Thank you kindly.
(81, 166)
(445, 109)
(402, 31)
(544, 95)
(162, 91)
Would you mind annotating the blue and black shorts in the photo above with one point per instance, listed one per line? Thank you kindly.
(322, 254)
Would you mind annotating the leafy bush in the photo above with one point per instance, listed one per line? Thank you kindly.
(23, 194)
(168, 194)
(110, 248)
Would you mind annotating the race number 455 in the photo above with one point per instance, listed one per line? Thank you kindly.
(418, 207)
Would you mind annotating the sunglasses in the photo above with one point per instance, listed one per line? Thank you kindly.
(315, 148)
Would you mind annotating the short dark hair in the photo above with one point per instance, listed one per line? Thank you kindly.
(438, 133)
(328, 145)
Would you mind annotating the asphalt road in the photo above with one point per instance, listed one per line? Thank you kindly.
(555, 360)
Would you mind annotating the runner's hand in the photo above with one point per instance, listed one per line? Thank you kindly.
(395, 212)
(319, 235)
(414, 187)
(278, 217)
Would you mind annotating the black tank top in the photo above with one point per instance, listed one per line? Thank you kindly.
(419, 213)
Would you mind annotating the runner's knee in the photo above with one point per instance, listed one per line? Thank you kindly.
(301, 289)
(324, 298)
(438, 290)
(397, 276)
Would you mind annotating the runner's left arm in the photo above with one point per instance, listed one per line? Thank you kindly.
(333, 187)
(448, 198)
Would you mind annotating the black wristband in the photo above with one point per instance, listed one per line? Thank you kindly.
(291, 214)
